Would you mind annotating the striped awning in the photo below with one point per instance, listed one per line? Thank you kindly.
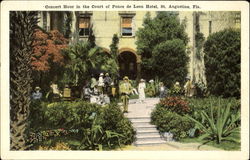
(84, 22)
(127, 22)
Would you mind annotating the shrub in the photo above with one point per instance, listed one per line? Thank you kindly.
(36, 116)
(115, 121)
(70, 114)
(167, 121)
(222, 63)
(175, 104)
(97, 127)
(219, 128)
(203, 104)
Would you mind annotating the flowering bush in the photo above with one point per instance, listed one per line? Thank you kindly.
(175, 104)
(35, 137)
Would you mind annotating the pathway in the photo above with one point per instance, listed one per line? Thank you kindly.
(148, 138)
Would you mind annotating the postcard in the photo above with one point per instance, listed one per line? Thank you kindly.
(124, 80)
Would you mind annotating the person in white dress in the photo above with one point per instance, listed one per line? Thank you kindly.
(101, 83)
(141, 90)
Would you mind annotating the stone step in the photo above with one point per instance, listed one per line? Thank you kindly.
(147, 134)
(149, 142)
(140, 119)
(146, 130)
(149, 139)
(141, 136)
(143, 125)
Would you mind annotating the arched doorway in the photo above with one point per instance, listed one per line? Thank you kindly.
(127, 64)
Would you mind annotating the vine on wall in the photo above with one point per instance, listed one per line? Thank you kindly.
(199, 37)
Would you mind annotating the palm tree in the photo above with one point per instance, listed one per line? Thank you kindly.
(81, 60)
(22, 25)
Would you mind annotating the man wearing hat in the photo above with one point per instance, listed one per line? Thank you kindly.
(107, 84)
(125, 90)
(177, 88)
(188, 87)
(37, 94)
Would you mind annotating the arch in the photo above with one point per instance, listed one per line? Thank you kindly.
(125, 49)
(127, 59)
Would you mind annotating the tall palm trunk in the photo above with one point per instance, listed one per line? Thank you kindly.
(22, 25)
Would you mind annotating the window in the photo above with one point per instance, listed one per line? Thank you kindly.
(84, 26)
(126, 27)
(210, 27)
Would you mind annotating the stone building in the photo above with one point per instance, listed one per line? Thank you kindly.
(77, 25)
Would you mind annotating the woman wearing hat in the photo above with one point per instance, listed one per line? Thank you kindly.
(37, 94)
(141, 90)
(125, 90)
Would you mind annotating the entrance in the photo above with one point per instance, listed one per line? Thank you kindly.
(127, 65)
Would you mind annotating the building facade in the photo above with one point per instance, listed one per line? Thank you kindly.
(77, 27)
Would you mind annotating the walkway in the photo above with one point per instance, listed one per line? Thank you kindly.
(145, 141)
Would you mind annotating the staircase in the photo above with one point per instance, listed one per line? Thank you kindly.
(146, 133)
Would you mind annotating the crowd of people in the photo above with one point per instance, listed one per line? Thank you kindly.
(105, 89)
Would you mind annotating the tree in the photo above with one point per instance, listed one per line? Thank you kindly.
(47, 49)
(159, 32)
(22, 26)
(170, 60)
(114, 55)
(222, 63)
(80, 59)
(47, 58)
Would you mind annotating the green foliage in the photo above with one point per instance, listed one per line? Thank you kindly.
(150, 90)
(81, 59)
(199, 104)
(222, 63)
(220, 127)
(95, 137)
(168, 117)
(99, 127)
(167, 121)
(114, 46)
(114, 118)
(170, 60)
(36, 115)
(163, 36)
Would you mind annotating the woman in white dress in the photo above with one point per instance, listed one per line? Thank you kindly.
(141, 90)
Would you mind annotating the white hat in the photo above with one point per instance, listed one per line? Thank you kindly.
(37, 88)
(151, 81)
(142, 80)
(101, 74)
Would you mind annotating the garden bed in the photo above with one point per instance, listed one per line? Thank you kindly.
(214, 121)
(78, 125)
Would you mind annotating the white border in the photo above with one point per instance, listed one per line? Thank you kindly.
(242, 6)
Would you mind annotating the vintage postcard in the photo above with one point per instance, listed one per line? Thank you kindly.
(124, 80)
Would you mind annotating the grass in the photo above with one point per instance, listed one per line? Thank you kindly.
(225, 145)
